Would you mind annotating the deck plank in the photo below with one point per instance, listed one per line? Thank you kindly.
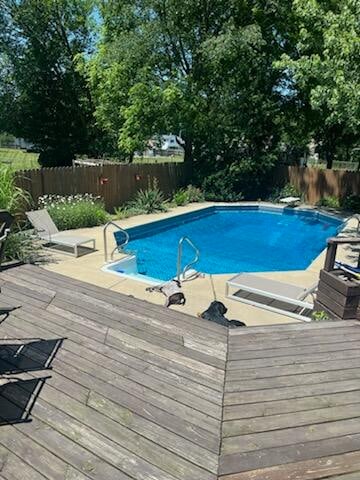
(263, 409)
(286, 436)
(295, 369)
(320, 468)
(15, 468)
(292, 380)
(291, 403)
(131, 303)
(134, 392)
(38, 322)
(288, 454)
(276, 422)
(140, 392)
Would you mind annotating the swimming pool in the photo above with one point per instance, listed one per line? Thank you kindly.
(230, 240)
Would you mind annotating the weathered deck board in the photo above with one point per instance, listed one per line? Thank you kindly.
(127, 398)
(140, 392)
(292, 403)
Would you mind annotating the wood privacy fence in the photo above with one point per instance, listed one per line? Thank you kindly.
(315, 183)
(115, 183)
(118, 184)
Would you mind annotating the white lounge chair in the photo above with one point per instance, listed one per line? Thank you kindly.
(47, 231)
(280, 297)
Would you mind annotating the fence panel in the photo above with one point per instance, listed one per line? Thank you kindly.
(316, 183)
(115, 183)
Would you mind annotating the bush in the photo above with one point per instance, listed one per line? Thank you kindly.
(21, 246)
(151, 200)
(220, 187)
(351, 203)
(190, 194)
(194, 194)
(74, 211)
(247, 178)
(180, 198)
(329, 202)
(147, 201)
(126, 211)
(12, 198)
(288, 190)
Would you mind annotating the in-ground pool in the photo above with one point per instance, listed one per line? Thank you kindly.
(230, 240)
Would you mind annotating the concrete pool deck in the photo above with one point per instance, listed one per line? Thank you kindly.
(199, 292)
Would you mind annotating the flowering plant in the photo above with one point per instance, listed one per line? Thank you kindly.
(74, 211)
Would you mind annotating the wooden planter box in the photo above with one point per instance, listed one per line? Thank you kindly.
(338, 294)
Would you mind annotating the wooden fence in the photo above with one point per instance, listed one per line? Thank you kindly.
(115, 183)
(118, 184)
(315, 183)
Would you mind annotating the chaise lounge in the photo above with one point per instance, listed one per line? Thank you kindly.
(279, 297)
(47, 231)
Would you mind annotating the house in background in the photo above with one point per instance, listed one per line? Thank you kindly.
(164, 145)
(9, 141)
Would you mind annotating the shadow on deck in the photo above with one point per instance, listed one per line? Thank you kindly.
(142, 392)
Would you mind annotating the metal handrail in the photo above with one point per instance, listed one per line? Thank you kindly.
(195, 260)
(127, 238)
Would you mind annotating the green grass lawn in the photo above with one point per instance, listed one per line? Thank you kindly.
(174, 159)
(22, 160)
(18, 159)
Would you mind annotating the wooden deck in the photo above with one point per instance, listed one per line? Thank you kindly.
(136, 391)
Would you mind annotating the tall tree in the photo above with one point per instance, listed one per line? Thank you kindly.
(200, 69)
(325, 70)
(43, 97)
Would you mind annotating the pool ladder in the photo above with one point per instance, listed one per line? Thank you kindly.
(118, 247)
(181, 273)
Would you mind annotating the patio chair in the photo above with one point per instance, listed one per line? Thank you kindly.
(47, 231)
(6, 220)
(279, 297)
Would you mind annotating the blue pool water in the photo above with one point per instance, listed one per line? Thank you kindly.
(233, 240)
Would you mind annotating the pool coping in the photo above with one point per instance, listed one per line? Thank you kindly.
(197, 213)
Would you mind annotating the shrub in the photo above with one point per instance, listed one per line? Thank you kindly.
(147, 201)
(250, 176)
(74, 211)
(126, 211)
(190, 194)
(151, 200)
(220, 187)
(351, 203)
(288, 190)
(180, 198)
(247, 178)
(330, 202)
(194, 194)
(21, 246)
(12, 198)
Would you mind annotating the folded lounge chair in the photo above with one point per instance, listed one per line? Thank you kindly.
(280, 297)
(47, 231)
(354, 271)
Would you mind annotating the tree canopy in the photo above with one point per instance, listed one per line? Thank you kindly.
(241, 81)
(43, 98)
(325, 69)
(203, 70)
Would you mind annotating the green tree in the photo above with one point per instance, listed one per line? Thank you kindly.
(43, 97)
(325, 69)
(203, 70)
